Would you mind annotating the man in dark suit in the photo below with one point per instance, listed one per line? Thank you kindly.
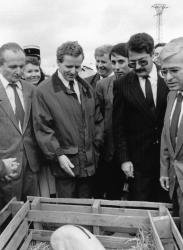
(103, 65)
(138, 113)
(16, 131)
(107, 168)
(171, 175)
(68, 125)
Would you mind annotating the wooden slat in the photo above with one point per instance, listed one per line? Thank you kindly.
(15, 206)
(18, 236)
(27, 241)
(175, 232)
(156, 238)
(14, 223)
(36, 205)
(6, 211)
(65, 207)
(95, 210)
(127, 211)
(87, 219)
(107, 241)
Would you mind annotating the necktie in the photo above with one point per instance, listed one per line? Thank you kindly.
(71, 85)
(19, 111)
(149, 94)
(175, 120)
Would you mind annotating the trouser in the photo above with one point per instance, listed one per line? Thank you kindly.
(77, 187)
(147, 188)
(24, 185)
(177, 200)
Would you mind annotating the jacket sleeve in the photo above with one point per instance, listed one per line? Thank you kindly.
(2, 169)
(43, 127)
(118, 122)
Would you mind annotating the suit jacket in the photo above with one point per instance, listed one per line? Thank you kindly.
(64, 126)
(104, 94)
(92, 80)
(172, 161)
(136, 129)
(13, 142)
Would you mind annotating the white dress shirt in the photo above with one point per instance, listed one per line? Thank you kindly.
(75, 86)
(153, 80)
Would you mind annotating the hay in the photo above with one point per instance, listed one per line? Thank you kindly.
(40, 246)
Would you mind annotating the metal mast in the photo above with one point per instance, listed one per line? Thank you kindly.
(159, 11)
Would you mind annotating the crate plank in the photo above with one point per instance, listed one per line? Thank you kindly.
(6, 211)
(27, 241)
(10, 229)
(18, 236)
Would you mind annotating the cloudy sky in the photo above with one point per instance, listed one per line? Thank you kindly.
(49, 23)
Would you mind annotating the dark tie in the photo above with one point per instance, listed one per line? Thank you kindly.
(149, 94)
(71, 85)
(19, 111)
(175, 120)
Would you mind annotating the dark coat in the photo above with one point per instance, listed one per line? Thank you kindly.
(136, 130)
(92, 80)
(64, 126)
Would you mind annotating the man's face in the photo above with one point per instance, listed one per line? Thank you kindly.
(103, 65)
(140, 62)
(172, 72)
(12, 68)
(119, 65)
(156, 54)
(70, 66)
(32, 73)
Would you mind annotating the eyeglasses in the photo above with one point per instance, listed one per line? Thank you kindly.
(172, 72)
(133, 64)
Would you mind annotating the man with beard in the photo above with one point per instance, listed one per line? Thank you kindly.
(107, 168)
(68, 125)
(138, 114)
(103, 65)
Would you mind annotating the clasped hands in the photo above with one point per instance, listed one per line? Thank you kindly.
(11, 167)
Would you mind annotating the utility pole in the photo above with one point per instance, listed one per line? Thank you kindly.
(159, 8)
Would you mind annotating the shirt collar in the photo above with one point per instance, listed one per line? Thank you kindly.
(6, 83)
(65, 82)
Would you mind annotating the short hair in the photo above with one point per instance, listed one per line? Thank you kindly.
(69, 48)
(15, 47)
(32, 60)
(141, 42)
(102, 50)
(172, 48)
(119, 49)
(159, 45)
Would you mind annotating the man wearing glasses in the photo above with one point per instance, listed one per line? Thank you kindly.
(171, 58)
(138, 113)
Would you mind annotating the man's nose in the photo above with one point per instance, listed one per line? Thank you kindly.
(168, 76)
(138, 66)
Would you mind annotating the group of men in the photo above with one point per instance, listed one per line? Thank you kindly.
(99, 132)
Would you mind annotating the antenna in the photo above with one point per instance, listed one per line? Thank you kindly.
(159, 8)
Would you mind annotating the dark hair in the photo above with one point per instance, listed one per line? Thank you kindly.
(15, 47)
(159, 45)
(102, 50)
(119, 49)
(69, 48)
(141, 42)
(32, 60)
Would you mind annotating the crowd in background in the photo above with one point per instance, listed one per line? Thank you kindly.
(114, 135)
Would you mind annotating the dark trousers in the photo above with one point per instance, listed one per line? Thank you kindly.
(108, 181)
(24, 185)
(147, 188)
(74, 187)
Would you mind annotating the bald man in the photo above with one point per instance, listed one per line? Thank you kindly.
(171, 172)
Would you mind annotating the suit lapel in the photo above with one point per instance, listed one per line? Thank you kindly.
(27, 101)
(161, 93)
(167, 120)
(139, 98)
(6, 105)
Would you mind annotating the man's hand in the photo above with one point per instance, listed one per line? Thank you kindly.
(66, 164)
(11, 167)
(164, 181)
(127, 168)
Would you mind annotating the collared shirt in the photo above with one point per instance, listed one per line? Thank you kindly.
(153, 80)
(111, 74)
(173, 108)
(10, 92)
(75, 86)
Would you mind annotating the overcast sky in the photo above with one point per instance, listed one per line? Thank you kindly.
(49, 23)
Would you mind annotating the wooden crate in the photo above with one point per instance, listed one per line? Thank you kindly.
(121, 218)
